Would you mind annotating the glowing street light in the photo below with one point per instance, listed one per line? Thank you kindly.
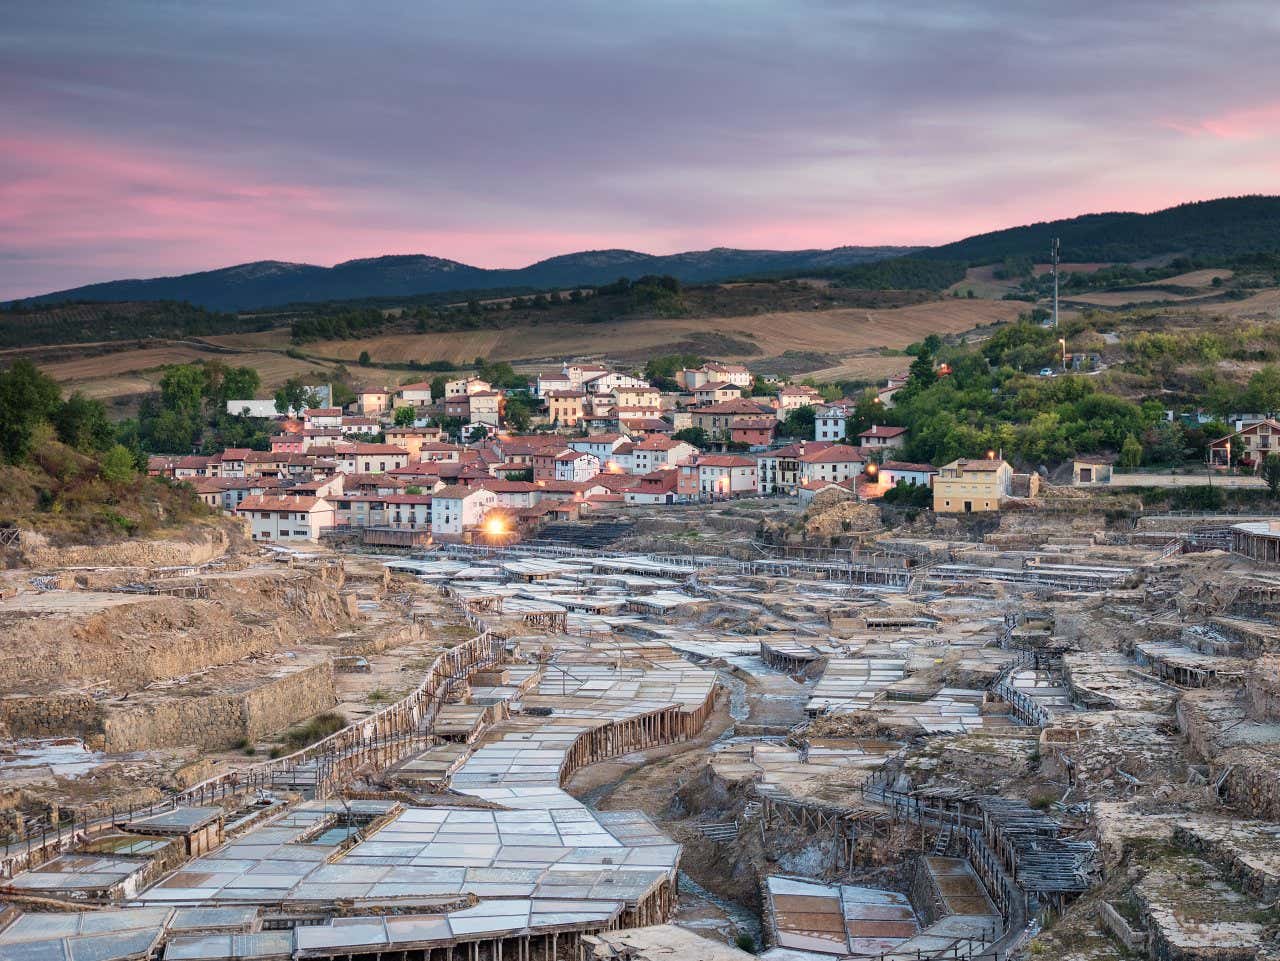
(495, 525)
(1063, 342)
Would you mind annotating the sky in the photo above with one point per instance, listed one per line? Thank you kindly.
(142, 139)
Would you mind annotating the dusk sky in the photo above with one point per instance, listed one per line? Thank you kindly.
(142, 139)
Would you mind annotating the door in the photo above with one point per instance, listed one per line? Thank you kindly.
(968, 507)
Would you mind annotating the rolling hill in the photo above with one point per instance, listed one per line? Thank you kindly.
(272, 283)
(1208, 230)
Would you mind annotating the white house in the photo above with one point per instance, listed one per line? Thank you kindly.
(691, 379)
(656, 452)
(409, 511)
(602, 446)
(455, 509)
(414, 395)
(915, 475)
(829, 422)
(288, 518)
(882, 437)
(610, 381)
(554, 380)
(726, 475)
(252, 408)
(575, 465)
(322, 417)
(465, 385)
(835, 463)
(370, 458)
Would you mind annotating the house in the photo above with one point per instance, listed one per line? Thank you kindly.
(458, 407)
(407, 511)
(1247, 446)
(610, 381)
(913, 475)
(715, 393)
(639, 398)
(322, 417)
(417, 394)
(778, 470)
(795, 396)
(464, 386)
(655, 487)
(834, 462)
(252, 408)
(370, 458)
(371, 401)
(1090, 470)
(726, 475)
(882, 437)
(281, 519)
(714, 373)
(576, 465)
(230, 463)
(829, 422)
(436, 452)
(456, 510)
(287, 443)
(602, 446)
(656, 451)
(192, 465)
(565, 407)
(548, 382)
(412, 439)
(718, 419)
(755, 432)
(486, 407)
(360, 425)
(513, 494)
(966, 486)
(579, 374)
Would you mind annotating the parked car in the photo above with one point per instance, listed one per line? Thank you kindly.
(1046, 371)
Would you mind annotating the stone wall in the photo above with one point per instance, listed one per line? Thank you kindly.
(219, 721)
(1262, 689)
(60, 715)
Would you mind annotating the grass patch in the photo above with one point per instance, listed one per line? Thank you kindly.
(316, 729)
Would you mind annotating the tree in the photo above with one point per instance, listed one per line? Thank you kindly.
(293, 396)
(82, 423)
(799, 422)
(365, 360)
(27, 397)
(413, 489)
(692, 435)
(404, 416)
(440, 384)
(517, 414)
(1130, 453)
(1270, 471)
(117, 465)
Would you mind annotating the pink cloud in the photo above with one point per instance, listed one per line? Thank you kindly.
(1247, 123)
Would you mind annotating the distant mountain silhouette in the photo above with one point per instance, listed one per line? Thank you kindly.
(268, 283)
(1207, 229)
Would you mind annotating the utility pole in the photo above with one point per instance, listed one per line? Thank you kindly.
(1055, 247)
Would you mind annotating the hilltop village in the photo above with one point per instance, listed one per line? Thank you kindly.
(388, 470)
(608, 671)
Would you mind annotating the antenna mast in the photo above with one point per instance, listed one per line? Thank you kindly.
(1055, 247)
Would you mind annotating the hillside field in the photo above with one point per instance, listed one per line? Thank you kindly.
(842, 331)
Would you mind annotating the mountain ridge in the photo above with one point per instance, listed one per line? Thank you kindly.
(1208, 229)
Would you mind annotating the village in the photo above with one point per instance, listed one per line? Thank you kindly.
(594, 691)
(604, 439)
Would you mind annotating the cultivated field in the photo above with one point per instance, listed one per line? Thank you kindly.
(125, 373)
(842, 332)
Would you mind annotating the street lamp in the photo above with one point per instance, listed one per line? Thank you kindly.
(1063, 342)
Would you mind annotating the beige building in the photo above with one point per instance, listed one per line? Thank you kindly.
(970, 486)
(565, 407)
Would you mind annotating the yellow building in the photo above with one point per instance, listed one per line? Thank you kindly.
(966, 486)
